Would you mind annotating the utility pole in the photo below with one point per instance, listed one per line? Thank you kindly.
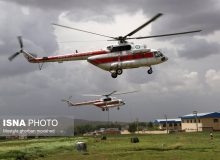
(108, 120)
(137, 125)
(196, 118)
(166, 123)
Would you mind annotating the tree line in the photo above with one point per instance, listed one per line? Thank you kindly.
(131, 127)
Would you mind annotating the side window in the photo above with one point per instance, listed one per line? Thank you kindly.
(137, 47)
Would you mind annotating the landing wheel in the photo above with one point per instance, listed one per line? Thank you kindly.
(119, 71)
(103, 109)
(150, 71)
(106, 109)
(118, 108)
(114, 75)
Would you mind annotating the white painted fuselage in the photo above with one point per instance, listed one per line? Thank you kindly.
(122, 56)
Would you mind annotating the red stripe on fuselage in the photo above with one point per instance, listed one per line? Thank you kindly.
(106, 103)
(122, 58)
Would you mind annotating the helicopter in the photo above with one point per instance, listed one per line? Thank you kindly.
(105, 103)
(115, 58)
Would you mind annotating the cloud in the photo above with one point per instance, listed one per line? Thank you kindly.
(213, 79)
(189, 14)
(166, 83)
(37, 37)
(194, 48)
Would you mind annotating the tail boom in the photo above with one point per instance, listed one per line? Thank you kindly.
(61, 58)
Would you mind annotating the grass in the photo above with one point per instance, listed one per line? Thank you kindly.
(179, 146)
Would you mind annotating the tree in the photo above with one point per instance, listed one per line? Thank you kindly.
(81, 129)
(132, 127)
(112, 125)
(150, 125)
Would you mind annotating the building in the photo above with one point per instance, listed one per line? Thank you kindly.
(201, 122)
(172, 124)
(111, 131)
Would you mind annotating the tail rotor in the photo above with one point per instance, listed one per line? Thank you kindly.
(20, 41)
(67, 101)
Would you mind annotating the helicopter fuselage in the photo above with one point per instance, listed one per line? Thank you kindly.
(104, 103)
(114, 59)
(137, 56)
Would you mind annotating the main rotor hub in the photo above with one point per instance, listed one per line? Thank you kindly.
(121, 39)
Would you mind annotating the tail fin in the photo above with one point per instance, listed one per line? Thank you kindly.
(68, 102)
(30, 57)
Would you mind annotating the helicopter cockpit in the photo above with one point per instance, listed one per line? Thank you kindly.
(158, 54)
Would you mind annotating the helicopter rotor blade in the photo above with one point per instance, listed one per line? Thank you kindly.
(120, 93)
(92, 95)
(143, 25)
(165, 35)
(20, 42)
(13, 56)
(82, 30)
(98, 95)
(89, 41)
(109, 94)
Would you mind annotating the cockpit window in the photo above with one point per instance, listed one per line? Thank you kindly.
(161, 55)
(158, 54)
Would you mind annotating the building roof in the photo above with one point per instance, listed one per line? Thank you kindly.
(202, 115)
(175, 120)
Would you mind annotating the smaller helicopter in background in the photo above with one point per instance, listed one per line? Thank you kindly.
(104, 103)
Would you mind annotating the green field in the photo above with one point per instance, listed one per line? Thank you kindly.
(178, 146)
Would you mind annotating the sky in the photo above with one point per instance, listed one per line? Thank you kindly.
(188, 81)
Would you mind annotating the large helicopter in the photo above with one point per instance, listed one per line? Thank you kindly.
(106, 102)
(115, 58)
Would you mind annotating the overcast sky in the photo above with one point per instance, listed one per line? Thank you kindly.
(188, 81)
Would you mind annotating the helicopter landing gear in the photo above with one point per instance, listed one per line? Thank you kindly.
(150, 71)
(119, 71)
(105, 109)
(114, 75)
